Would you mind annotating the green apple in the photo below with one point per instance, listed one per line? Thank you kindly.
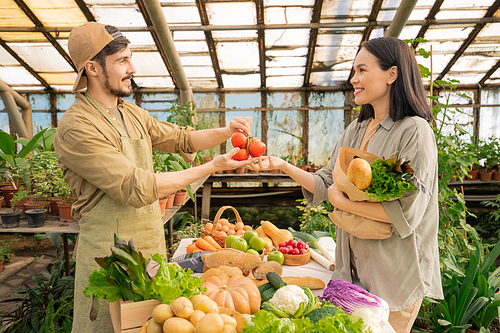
(229, 240)
(252, 251)
(249, 234)
(257, 243)
(239, 244)
(276, 256)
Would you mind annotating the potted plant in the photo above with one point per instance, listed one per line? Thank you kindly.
(18, 201)
(65, 199)
(488, 153)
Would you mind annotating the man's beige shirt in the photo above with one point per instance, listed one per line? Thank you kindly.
(89, 152)
(404, 267)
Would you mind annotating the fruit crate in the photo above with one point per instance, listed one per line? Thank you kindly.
(130, 316)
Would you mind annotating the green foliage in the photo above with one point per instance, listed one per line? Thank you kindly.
(315, 218)
(6, 249)
(387, 185)
(47, 307)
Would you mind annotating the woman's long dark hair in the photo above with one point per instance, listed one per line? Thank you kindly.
(407, 97)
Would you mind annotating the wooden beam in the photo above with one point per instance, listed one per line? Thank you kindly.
(144, 12)
(436, 7)
(85, 10)
(24, 64)
(313, 39)
(491, 11)
(490, 73)
(47, 35)
(201, 5)
(261, 40)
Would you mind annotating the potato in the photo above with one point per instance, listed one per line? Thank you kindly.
(228, 320)
(178, 325)
(182, 307)
(208, 307)
(228, 329)
(196, 316)
(154, 327)
(162, 312)
(196, 299)
(210, 323)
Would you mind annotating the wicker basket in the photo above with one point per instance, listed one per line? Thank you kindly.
(220, 240)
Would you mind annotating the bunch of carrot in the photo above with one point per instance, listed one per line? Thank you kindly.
(206, 243)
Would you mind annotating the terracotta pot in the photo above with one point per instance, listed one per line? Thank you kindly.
(473, 174)
(180, 198)
(207, 159)
(240, 170)
(1, 200)
(20, 205)
(53, 205)
(496, 175)
(304, 167)
(1, 264)
(228, 171)
(163, 204)
(485, 176)
(276, 171)
(170, 201)
(64, 210)
(8, 192)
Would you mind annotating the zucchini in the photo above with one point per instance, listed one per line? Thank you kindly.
(264, 287)
(267, 294)
(275, 280)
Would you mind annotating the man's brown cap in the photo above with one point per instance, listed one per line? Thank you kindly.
(85, 42)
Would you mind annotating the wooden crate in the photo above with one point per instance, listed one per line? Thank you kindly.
(130, 316)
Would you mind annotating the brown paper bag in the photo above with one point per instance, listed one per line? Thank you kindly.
(355, 225)
(346, 155)
(359, 226)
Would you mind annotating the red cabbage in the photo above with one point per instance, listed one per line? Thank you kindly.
(351, 297)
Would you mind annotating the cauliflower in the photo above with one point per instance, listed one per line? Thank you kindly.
(288, 298)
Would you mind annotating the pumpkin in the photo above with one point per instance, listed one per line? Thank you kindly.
(237, 293)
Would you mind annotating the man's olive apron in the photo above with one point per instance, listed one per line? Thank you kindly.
(144, 225)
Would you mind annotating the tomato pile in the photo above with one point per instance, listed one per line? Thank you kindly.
(248, 146)
(293, 247)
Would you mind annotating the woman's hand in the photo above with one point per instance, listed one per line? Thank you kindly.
(268, 163)
(225, 162)
(240, 124)
(335, 196)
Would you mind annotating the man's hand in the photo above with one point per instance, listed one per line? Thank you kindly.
(241, 124)
(225, 162)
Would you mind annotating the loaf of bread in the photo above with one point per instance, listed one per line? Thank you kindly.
(307, 281)
(359, 172)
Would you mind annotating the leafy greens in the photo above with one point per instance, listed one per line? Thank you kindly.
(388, 185)
(265, 321)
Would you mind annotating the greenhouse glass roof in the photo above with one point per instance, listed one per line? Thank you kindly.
(245, 45)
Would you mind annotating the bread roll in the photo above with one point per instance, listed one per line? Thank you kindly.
(360, 173)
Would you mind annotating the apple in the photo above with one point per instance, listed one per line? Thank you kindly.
(249, 234)
(257, 243)
(239, 244)
(252, 251)
(229, 240)
(276, 256)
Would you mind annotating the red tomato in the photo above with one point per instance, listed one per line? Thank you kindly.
(239, 140)
(257, 148)
(250, 140)
(241, 155)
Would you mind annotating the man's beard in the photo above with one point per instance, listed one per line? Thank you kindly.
(114, 91)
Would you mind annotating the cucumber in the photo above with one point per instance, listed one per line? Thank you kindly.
(264, 287)
(268, 294)
(275, 280)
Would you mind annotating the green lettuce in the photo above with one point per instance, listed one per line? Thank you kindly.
(387, 185)
(172, 282)
(341, 322)
(100, 287)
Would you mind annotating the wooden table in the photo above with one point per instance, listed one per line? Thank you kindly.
(261, 177)
(54, 225)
